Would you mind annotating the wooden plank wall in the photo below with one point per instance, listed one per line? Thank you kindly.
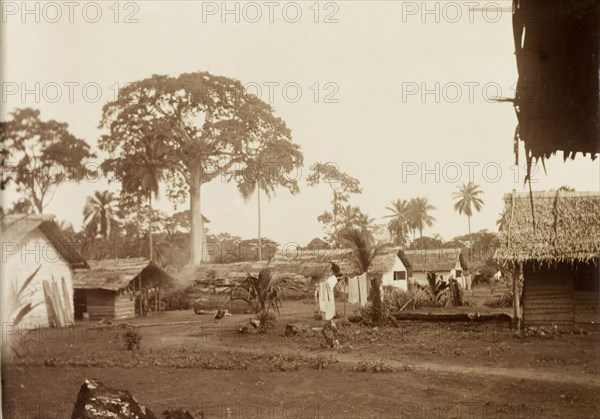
(124, 307)
(548, 298)
(587, 309)
(100, 304)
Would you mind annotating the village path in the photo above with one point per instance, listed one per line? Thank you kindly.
(516, 374)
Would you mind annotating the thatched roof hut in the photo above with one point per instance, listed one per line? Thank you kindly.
(435, 260)
(566, 228)
(558, 93)
(34, 246)
(558, 254)
(105, 290)
(117, 274)
(16, 228)
(295, 264)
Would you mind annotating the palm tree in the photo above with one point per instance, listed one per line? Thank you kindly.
(566, 188)
(365, 223)
(267, 177)
(419, 215)
(467, 198)
(398, 226)
(100, 213)
(247, 189)
(349, 217)
(364, 251)
(502, 221)
(144, 174)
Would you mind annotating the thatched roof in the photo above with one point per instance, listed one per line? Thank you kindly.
(558, 93)
(16, 228)
(302, 265)
(299, 266)
(436, 260)
(567, 227)
(384, 261)
(117, 274)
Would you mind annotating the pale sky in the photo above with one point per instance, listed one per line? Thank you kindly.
(372, 65)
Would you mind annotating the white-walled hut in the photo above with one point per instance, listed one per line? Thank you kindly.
(446, 263)
(35, 244)
(107, 290)
(394, 266)
(556, 246)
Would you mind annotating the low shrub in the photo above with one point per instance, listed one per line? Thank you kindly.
(395, 299)
(131, 338)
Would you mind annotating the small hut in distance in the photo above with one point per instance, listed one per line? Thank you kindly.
(107, 290)
(557, 248)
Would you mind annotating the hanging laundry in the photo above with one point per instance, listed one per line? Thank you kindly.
(362, 289)
(326, 297)
(353, 290)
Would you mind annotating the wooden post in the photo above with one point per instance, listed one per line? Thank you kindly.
(141, 296)
(159, 304)
(516, 295)
(345, 297)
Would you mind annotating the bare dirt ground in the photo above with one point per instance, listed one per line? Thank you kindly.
(417, 370)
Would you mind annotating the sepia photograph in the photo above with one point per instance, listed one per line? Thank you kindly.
(300, 209)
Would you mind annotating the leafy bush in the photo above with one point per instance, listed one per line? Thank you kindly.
(178, 299)
(262, 293)
(395, 299)
(132, 339)
(435, 294)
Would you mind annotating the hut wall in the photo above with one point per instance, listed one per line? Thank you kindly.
(587, 296)
(36, 251)
(101, 304)
(548, 297)
(124, 307)
(421, 277)
(388, 277)
(587, 309)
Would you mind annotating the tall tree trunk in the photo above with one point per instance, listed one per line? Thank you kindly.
(377, 300)
(141, 296)
(196, 222)
(335, 232)
(150, 250)
(470, 241)
(259, 237)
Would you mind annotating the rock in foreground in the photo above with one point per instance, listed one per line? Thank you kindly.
(95, 401)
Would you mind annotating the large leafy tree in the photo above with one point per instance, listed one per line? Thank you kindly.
(271, 168)
(467, 199)
(40, 155)
(100, 214)
(399, 220)
(425, 243)
(209, 125)
(342, 186)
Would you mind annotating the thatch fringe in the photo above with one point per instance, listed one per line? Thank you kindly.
(567, 228)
